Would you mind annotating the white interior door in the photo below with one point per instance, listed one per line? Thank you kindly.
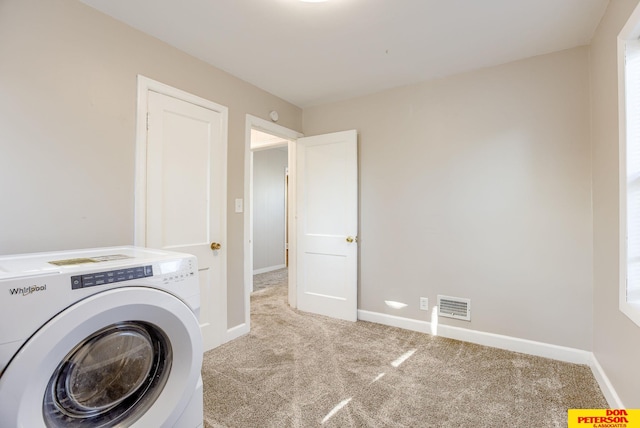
(186, 196)
(327, 224)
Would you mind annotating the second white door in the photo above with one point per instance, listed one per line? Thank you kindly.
(327, 224)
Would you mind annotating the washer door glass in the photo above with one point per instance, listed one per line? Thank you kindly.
(111, 377)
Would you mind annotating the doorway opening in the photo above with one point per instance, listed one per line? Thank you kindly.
(263, 135)
(269, 210)
(322, 173)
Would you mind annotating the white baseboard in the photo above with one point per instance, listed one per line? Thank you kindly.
(236, 332)
(395, 321)
(606, 387)
(540, 349)
(515, 344)
(268, 269)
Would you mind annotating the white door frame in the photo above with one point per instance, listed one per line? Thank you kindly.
(291, 135)
(140, 231)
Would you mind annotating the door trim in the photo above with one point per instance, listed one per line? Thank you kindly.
(291, 135)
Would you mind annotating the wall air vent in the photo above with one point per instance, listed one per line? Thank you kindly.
(454, 307)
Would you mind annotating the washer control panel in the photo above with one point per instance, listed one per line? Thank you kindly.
(110, 277)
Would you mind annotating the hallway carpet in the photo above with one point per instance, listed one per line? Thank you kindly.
(301, 370)
(270, 279)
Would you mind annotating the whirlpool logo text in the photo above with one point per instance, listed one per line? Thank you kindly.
(25, 291)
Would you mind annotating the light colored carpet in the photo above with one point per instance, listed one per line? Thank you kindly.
(270, 279)
(301, 370)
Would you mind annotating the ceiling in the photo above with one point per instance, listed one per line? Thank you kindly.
(262, 138)
(314, 53)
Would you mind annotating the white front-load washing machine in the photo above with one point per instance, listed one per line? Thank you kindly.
(105, 337)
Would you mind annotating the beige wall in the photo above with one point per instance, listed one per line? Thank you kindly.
(67, 128)
(269, 189)
(616, 338)
(479, 186)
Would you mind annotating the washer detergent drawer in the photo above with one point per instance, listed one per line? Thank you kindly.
(130, 356)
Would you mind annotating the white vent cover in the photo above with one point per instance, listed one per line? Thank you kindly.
(454, 307)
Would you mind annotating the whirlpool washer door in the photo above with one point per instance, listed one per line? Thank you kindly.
(127, 357)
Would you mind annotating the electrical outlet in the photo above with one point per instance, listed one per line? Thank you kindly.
(424, 304)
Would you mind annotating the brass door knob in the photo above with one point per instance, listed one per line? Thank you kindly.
(351, 239)
(215, 246)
